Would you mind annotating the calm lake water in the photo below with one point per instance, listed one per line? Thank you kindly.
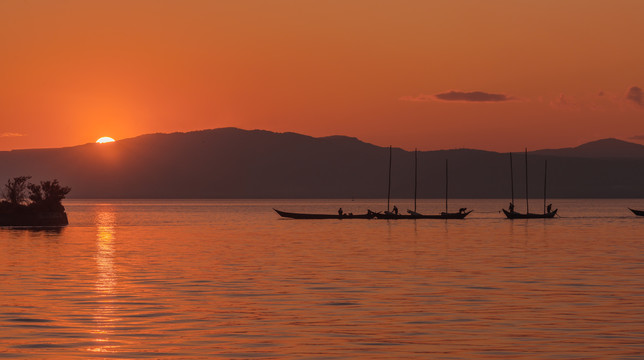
(229, 279)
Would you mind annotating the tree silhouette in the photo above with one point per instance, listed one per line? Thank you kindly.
(35, 193)
(14, 190)
(48, 194)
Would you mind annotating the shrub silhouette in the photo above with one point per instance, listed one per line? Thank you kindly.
(47, 196)
(14, 190)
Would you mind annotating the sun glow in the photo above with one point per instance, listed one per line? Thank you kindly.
(104, 139)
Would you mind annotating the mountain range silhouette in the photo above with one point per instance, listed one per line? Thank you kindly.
(236, 163)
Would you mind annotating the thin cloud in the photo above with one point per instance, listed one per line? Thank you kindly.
(419, 98)
(635, 95)
(473, 96)
(10, 134)
(637, 137)
(601, 101)
(461, 96)
(565, 102)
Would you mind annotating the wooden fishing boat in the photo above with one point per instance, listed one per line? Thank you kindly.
(388, 215)
(415, 215)
(637, 212)
(547, 213)
(368, 215)
(516, 215)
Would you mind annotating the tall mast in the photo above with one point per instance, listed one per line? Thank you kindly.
(446, 184)
(545, 177)
(511, 178)
(389, 183)
(527, 208)
(415, 176)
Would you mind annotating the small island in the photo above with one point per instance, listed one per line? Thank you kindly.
(27, 204)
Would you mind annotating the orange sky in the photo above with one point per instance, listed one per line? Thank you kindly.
(561, 72)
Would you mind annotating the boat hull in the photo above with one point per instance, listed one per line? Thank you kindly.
(637, 212)
(322, 216)
(421, 216)
(516, 215)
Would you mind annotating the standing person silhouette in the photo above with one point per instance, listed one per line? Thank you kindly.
(395, 210)
(511, 207)
(340, 212)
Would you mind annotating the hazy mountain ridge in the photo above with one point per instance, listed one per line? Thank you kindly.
(235, 163)
(604, 148)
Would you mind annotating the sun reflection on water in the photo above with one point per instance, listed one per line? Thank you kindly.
(106, 279)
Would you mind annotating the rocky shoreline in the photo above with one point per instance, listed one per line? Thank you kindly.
(31, 217)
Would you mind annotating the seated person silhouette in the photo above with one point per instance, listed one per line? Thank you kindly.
(413, 213)
(462, 210)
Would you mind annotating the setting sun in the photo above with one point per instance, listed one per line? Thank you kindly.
(104, 139)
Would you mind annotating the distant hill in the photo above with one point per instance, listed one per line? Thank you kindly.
(605, 148)
(234, 163)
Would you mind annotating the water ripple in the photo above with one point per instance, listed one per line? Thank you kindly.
(212, 279)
